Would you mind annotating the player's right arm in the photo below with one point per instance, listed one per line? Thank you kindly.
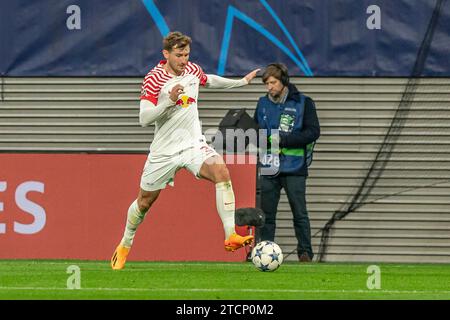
(149, 112)
(152, 107)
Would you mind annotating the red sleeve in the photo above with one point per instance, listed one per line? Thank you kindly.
(198, 72)
(146, 96)
(150, 89)
(203, 79)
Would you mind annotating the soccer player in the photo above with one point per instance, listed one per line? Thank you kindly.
(169, 99)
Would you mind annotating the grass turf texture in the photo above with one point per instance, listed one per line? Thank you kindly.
(44, 279)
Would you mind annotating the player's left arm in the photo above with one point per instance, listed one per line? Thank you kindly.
(216, 82)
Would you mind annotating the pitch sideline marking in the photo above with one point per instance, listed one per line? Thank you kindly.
(230, 289)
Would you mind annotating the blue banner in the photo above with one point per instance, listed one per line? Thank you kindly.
(230, 37)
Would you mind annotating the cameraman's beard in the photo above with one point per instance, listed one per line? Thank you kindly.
(275, 96)
(279, 96)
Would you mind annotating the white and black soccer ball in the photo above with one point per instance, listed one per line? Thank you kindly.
(267, 256)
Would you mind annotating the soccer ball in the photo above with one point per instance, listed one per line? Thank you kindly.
(267, 256)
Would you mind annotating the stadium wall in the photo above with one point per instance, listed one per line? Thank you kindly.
(405, 219)
(73, 206)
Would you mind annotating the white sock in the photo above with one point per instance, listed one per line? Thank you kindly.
(134, 219)
(226, 206)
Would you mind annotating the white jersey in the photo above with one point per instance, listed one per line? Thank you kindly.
(179, 127)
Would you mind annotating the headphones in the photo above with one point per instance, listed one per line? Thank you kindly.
(284, 72)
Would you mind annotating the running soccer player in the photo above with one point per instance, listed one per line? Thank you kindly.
(169, 99)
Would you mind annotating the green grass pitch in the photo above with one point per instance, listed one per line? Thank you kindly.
(47, 279)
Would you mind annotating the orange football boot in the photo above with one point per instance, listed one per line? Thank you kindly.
(119, 257)
(236, 241)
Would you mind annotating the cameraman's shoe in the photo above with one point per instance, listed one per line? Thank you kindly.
(304, 257)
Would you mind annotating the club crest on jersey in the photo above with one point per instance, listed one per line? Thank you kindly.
(185, 101)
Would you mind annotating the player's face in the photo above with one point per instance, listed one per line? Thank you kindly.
(274, 87)
(177, 59)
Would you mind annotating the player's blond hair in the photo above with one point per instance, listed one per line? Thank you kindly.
(176, 40)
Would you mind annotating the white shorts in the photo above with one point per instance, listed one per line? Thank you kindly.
(160, 170)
